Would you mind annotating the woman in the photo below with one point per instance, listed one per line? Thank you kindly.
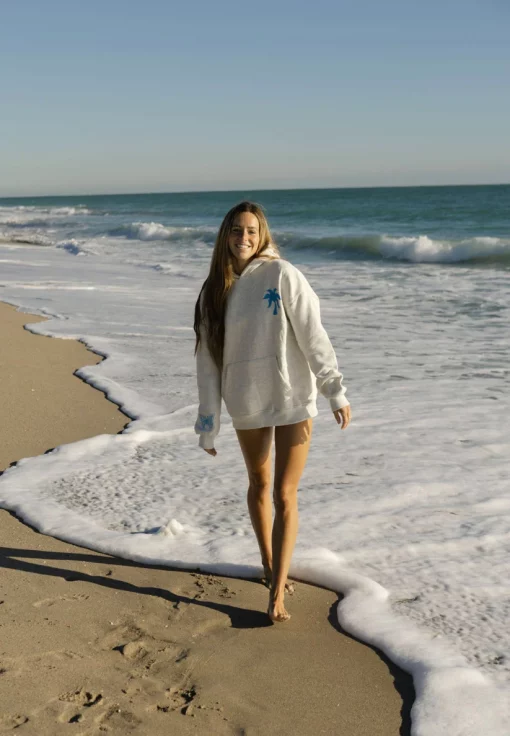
(260, 346)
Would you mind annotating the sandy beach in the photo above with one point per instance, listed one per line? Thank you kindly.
(92, 644)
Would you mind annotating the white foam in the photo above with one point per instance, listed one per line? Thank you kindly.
(23, 237)
(36, 216)
(147, 231)
(150, 231)
(422, 249)
(73, 247)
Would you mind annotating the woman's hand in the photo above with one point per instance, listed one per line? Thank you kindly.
(211, 452)
(343, 416)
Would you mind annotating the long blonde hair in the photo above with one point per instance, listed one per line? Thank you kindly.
(212, 300)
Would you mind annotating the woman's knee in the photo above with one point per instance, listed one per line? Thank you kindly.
(260, 485)
(285, 498)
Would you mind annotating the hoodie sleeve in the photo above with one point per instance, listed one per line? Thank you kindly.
(209, 395)
(301, 305)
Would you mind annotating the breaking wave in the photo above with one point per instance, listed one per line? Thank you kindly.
(411, 248)
(156, 231)
(415, 249)
(29, 225)
(26, 216)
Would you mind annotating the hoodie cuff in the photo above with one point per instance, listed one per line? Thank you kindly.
(338, 402)
(206, 441)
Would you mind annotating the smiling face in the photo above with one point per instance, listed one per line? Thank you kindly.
(244, 239)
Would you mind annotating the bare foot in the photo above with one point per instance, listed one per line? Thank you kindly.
(276, 610)
(290, 587)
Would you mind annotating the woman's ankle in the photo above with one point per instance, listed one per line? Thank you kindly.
(278, 594)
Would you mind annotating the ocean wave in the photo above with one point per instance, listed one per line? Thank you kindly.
(70, 245)
(414, 249)
(19, 224)
(167, 269)
(78, 209)
(156, 231)
(410, 248)
(73, 247)
(26, 225)
(30, 216)
(423, 249)
(26, 239)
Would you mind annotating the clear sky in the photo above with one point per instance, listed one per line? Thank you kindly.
(131, 96)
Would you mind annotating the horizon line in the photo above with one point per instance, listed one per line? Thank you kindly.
(231, 191)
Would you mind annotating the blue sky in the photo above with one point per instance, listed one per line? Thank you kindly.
(121, 96)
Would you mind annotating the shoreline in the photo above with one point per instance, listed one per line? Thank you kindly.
(113, 644)
(58, 407)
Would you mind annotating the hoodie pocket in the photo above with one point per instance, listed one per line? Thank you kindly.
(254, 386)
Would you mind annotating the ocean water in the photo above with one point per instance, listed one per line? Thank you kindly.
(407, 513)
(466, 224)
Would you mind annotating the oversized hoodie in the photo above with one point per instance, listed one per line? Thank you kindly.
(276, 354)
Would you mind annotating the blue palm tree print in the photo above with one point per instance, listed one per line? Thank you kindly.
(205, 422)
(273, 297)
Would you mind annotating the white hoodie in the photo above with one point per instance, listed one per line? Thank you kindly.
(276, 354)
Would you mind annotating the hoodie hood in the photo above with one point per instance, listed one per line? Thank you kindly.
(269, 255)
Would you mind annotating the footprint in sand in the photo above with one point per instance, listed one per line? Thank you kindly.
(138, 648)
(183, 654)
(10, 722)
(82, 697)
(116, 637)
(133, 650)
(180, 699)
(46, 602)
(219, 587)
(118, 720)
(76, 702)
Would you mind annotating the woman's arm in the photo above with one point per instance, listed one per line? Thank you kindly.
(209, 395)
(301, 305)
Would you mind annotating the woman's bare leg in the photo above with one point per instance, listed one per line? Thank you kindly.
(292, 443)
(256, 448)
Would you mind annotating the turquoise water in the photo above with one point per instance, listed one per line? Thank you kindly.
(452, 224)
